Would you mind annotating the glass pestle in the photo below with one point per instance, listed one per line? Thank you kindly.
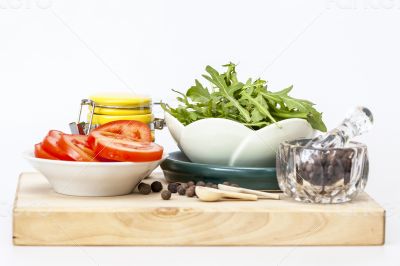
(356, 124)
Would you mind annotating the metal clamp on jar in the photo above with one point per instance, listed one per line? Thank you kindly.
(107, 107)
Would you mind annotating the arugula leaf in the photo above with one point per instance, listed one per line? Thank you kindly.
(259, 104)
(226, 91)
(256, 116)
(198, 93)
(297, 107)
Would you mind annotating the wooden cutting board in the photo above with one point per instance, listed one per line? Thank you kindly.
(43, 217)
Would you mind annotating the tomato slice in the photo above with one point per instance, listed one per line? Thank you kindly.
(77, 147)
(51, 144)
(117, 147)
(136, 130)
(41, 153)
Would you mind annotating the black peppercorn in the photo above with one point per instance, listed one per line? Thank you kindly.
(190, 192)
(173, 187)
(190, 183)
(144, 188)
(184, 185)
(181, 190)
(200, 184)
(156, 186)
(166, 195)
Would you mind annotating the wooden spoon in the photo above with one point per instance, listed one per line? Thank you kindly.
(212, 194)
(259, 194)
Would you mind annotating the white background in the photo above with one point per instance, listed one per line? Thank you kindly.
(336, 53)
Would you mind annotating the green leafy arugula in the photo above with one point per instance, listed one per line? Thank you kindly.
(250, 103)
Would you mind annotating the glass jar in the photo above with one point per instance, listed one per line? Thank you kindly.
(108, 107)
(318, 175)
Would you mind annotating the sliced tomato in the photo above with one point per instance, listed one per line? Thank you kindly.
(51, 144)
(136, 130)
(41, 153)
(77, 148)
(107, 136)
(117, 147)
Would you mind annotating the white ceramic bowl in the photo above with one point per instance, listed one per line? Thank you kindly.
(226, 142)
(92, 178)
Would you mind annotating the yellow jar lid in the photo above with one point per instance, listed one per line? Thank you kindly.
(102, 119)
(113, 111)
(120, 99)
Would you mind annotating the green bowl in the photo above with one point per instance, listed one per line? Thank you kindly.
(178, 168)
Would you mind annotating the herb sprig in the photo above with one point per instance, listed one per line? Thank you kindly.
(250, 103)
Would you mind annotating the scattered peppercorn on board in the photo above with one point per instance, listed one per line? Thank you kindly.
(44, 218)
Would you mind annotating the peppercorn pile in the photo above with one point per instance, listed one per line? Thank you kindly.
(326, 167)
(188, 189)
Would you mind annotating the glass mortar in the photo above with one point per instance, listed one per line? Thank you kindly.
(322, 175)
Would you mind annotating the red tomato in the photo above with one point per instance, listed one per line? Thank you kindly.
(136, 130)
(41, 153)
(51, 144)
(117, 147)
(77, 147)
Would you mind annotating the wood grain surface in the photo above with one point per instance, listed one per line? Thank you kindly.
(43, 217)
